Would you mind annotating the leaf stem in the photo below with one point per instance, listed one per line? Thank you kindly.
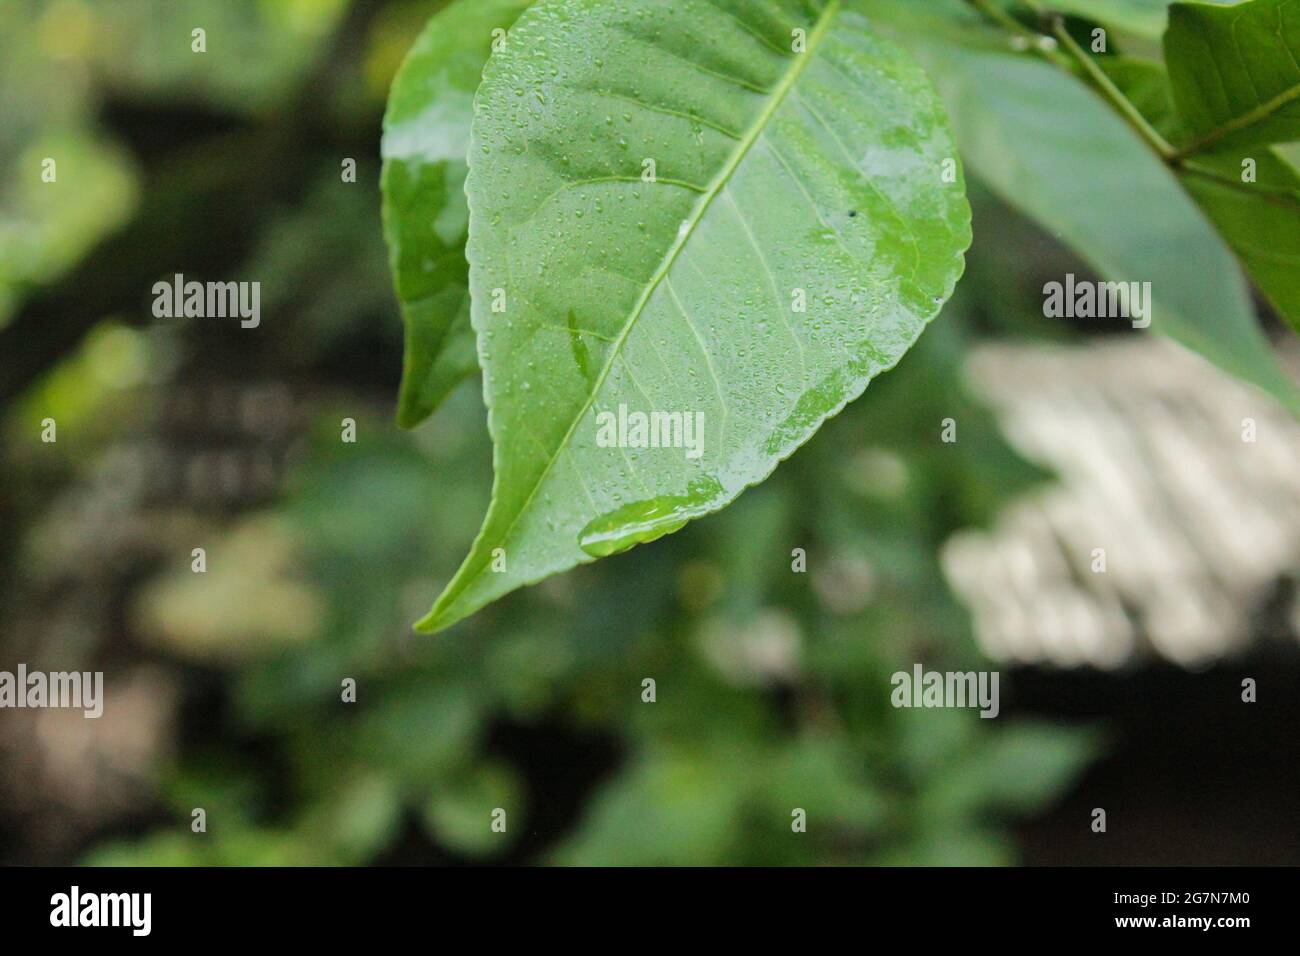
(1099, 80)
(1040, 43)
(1114, 95)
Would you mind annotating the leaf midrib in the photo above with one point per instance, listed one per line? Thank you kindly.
(715, 187)
(1258, 114)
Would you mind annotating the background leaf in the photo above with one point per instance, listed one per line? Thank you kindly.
(779, 174)
(426, 219)
(1259, 218)
(1236, 70)
(1049, 146)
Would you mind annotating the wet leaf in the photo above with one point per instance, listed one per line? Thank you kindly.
(730, 216)
(426, 135)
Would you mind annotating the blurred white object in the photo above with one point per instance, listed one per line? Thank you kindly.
(1158, 478)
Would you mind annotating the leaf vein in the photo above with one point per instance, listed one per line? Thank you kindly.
(752, 135)
(776, 293)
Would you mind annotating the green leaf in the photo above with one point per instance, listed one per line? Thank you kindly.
(1023, 767)
(1260, 220)
(1049, 146)
(1145, 84)
(778, 175)
(426, 136)
(1259, 217)
(1236, 71)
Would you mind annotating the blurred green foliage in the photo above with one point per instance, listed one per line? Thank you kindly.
(772, 687)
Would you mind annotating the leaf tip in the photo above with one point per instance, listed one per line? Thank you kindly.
(446, 611)
(431, 623)
(407, 417)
